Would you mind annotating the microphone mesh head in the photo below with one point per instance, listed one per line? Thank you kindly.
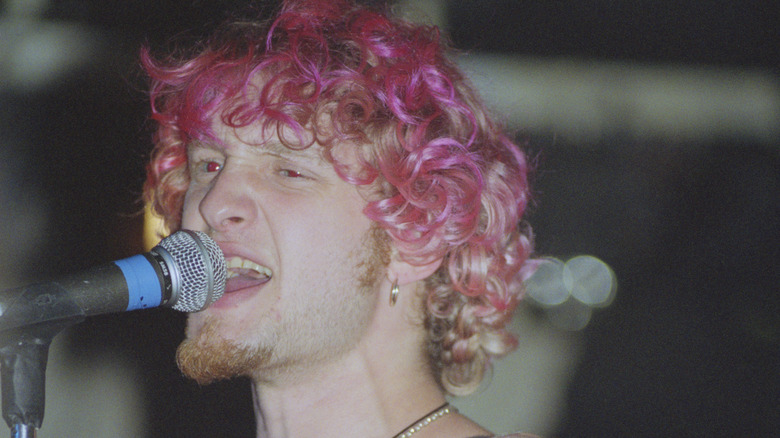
(199, 267)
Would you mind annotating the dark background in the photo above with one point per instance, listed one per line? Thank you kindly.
(690, 346)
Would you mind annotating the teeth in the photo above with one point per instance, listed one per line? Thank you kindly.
(237, 266)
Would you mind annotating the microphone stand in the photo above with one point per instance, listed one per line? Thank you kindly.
(24, 350)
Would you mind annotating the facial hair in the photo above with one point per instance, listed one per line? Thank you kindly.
(207, 357)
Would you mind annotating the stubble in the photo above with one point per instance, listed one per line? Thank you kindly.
(205, 356)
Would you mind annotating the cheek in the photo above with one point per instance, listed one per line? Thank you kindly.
(339, 224)
(190, 215)
(321, 237)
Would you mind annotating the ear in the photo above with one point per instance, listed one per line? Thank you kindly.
(405, 273)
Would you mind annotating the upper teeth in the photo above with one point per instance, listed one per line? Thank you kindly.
(236, 263)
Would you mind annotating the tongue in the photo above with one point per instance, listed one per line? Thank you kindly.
(244, 281)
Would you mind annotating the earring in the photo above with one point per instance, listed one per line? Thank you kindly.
(394, 293)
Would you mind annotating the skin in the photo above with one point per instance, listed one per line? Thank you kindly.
(330, 356)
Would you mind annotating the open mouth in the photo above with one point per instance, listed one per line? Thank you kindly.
(242, 273)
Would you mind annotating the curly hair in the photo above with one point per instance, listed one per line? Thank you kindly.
(451, 184)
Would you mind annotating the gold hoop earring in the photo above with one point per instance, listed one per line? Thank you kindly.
(394, 293)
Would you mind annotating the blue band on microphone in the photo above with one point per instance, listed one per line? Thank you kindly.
(143, 286)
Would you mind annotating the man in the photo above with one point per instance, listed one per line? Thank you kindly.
(368, 209)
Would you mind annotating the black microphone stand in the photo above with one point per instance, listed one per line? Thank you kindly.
(24, 350)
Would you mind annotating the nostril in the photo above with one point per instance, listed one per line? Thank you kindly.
(233, 220)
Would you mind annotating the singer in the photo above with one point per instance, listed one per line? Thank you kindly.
(369, 209)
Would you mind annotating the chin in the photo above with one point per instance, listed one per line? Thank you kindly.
(210, 357)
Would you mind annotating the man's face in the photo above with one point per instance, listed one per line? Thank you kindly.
(302, 264)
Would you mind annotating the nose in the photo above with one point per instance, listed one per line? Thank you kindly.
(227, 207)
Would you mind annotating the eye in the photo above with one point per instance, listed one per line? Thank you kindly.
(291, 173)
(212, 166)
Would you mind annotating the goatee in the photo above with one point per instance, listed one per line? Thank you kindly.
(207, 357)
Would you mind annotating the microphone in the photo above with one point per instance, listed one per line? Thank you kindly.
(185, 271)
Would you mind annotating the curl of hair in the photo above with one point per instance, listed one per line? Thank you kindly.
(450, 184)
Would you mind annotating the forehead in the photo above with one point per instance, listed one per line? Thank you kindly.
(272, 138)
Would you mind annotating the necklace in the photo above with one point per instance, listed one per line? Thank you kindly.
(426, 420)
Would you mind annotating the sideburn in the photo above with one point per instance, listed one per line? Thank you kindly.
(376, 248)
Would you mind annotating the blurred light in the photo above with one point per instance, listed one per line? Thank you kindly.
(569, 291)
(587, 100)
(590, 280)
(546, 286)
(35, 52)
(571, 315)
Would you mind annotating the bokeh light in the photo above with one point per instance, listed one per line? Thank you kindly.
(569, 291)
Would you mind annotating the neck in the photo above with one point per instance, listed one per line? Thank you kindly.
(375, 390)
(349, 399)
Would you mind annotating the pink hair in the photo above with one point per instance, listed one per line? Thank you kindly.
(452, 185)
